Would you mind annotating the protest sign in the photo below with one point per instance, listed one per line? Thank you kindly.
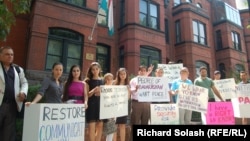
(220, 113)
(226, 87)
(54, 122)
(171, 71)
(113, 101)
(241, 104)
(191, 97)
(153, 89)
(163, 114)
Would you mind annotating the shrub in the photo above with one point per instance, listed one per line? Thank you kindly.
(32, 91)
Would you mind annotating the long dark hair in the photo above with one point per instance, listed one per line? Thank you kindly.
(90, 74)
(118, 79)
(69, 81)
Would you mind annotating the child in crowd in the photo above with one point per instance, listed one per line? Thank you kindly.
(108, 80)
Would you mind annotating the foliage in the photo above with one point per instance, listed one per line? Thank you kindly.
(32, 91)
(8, 13)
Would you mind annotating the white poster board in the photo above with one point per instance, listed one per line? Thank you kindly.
(164, 114)
(54, 122)
(241, 104)
(191, 97)
(226, 87)
(153, 89)
(113, 101)
(171, 71)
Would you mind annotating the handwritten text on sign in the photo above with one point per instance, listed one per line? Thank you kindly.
(163, 114)
(220, 113)
(226, 87)
(153, 89)
(113, 101)
(193, 98)
(171, 71)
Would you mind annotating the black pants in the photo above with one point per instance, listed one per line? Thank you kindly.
(8, 121)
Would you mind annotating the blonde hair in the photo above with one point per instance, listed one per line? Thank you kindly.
(106, 76)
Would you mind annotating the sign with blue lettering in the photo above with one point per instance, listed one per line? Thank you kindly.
(164, 114)
(54, 122)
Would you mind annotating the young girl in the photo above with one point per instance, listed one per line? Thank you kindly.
(94, 80)
(75, 89)
(122, 79)
(108, 80)
(51, 88)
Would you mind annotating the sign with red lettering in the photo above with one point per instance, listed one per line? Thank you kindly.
(220, 113)
(241, 104)
(163, 114)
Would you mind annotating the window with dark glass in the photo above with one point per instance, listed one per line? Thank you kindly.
(218, 39)
(222, 70)
(224, 11)
(64, 46)
(236, 40)
(166, 31)
(189, 1)
(102, 15)
(177, 31)
(239, 68)
(122, 13)
(198, 64)
(149, 55)
(81, 3)
(121, 61)
(103, 57)
(149, 14)
(199, 32)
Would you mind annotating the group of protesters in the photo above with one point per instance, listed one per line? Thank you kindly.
(14, 90)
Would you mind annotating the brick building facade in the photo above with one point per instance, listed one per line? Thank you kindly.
(192, 32)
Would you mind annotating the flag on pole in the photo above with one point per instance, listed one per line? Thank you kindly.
(110, 18)
(104, 6)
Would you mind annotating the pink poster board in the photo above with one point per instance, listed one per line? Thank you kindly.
(220, 113)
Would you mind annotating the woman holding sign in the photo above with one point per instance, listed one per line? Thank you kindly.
(51, 88)
(122, 79)
(94, 80)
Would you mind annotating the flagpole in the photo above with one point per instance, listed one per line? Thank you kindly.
(93, 28)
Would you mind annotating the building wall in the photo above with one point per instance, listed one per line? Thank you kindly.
(30, 35)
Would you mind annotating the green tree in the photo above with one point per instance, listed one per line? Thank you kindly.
(9, 9)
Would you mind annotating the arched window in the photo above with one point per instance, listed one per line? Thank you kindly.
(198, 64)
(199, 5)
(64, 46)
(150, 55)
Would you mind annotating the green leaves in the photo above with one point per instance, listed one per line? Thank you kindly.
(8, 13)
